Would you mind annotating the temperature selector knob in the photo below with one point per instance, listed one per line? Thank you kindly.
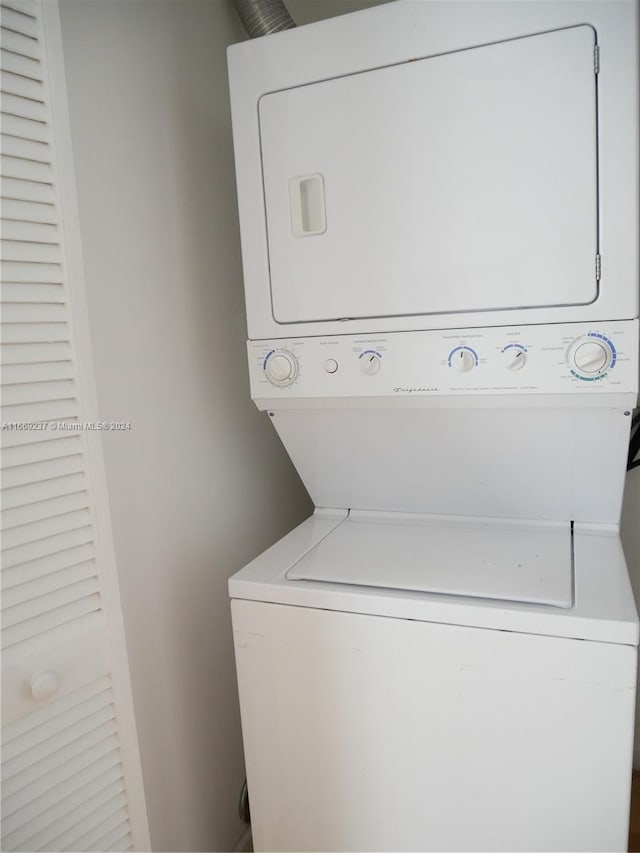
(591, 356)
(463, 359)
(370, 363)
(281, 367)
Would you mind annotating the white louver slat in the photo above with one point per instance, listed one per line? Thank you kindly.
(53, 599)
(54, 718)
(27, 451)
(103, 755)
(37, 253)
(66, 782)
(26, 7)
(18, 147)
(63, 763)
(36, 492)
(26, 572)
(31, 590)
(16, 105)
(16, 42)
(23, 87)
(43, 509)
(38, 372)
(23, 65)
(14, 189)
(37, 392)
(56, 617)
(27, 211)
(28, 353)
(22, 168)
(18, 18)
(43, 292)
(30, 232)
(42, 471)
(59, 768)
(35, 812)
(115, 837)
(26, 333)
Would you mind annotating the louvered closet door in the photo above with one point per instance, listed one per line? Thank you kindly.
(70, 769)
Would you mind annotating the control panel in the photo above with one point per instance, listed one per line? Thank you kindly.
(558, 358)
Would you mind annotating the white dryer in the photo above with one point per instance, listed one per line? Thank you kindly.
(438, 208)
(439, 164)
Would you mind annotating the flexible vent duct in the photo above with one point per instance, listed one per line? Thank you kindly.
(262, 17)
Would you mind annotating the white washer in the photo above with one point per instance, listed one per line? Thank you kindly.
(447, 659)
(384, 719)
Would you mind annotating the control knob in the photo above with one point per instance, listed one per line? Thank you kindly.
(370, 363)
(591, 356)
(463, 360)
(514, 357)
(281, 368)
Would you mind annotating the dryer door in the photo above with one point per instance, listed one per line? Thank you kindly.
(454, 183)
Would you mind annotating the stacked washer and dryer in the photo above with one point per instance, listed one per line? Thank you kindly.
(439, 217)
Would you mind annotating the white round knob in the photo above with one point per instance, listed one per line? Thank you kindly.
(44, 684)
(591, 357)
(514, 358)
(331, 365)
(463, 361)
(370, 363)
(281, 368)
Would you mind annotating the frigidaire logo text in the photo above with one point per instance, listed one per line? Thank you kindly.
(413, 390)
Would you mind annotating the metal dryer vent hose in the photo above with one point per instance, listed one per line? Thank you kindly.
(262, 17)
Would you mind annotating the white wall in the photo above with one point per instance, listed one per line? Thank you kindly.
(201, 484)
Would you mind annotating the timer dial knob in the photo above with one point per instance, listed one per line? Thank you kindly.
(591, 357)
(281, 368)
(463, 361)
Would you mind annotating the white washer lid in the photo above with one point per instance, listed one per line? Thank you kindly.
(527, 562)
